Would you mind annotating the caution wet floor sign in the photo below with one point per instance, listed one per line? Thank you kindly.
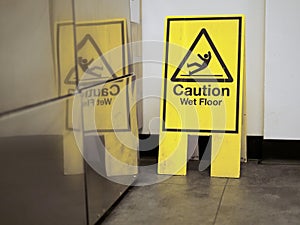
(101, 56)
(95, 64)
(202, 89)
(101, 52)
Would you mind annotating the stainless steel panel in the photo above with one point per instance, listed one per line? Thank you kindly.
(43, 177)
(28, 53)
(110, 163)
(90, 10)
(41, 168)
(102, 194)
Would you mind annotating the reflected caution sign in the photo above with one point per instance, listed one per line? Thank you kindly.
(100, 53)
(99, 59)
(202, 90)
(108, 105)
(92, 58)
(109, 111)
(86, 64)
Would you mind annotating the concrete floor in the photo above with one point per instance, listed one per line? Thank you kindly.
(265, 194)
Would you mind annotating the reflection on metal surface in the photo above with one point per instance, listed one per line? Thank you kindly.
(116, 123)
(101, 52)
(42, 164)
(34, 187)
(26, 59)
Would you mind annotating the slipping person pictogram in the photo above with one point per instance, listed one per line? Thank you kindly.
(196, 70)
(85, 66)
(206, 59)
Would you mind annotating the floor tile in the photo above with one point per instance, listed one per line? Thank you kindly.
(259, 205)
(148, 175)
(196, 178)
(265, 194)
(164, 204)
(268, 175)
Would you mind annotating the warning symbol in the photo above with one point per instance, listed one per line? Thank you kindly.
(202, 63)
(92, 64)
(100, 53)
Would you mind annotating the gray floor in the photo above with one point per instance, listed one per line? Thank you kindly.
(265, 194)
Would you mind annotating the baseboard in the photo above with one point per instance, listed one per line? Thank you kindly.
(254, 147)
(281, 149)
(257, 147)
(149, 144)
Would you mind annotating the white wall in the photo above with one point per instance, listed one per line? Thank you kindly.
(154, 13)
(282, 78)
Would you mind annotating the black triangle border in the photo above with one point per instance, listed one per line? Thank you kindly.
(201, 33)
(80, 45)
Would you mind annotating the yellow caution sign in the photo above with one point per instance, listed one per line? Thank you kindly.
(97, 65)
(202, 91)
(101, 100)
(100, 52)
(114, 118)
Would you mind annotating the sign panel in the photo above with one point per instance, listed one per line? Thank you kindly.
(94, 62)
(203, 69)
(202, 92)
(101, 52)
(98, 60)
(106, 107)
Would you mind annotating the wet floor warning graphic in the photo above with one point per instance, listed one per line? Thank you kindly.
(208, 67)
(202, 71)
(101, 53)
(92, 64)
(98, 65)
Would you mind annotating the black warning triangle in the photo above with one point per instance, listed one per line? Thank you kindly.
(202, 78)
(71, 76)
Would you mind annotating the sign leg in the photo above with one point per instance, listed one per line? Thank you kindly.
(172, 157)
(226, 153)
(119, 159)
